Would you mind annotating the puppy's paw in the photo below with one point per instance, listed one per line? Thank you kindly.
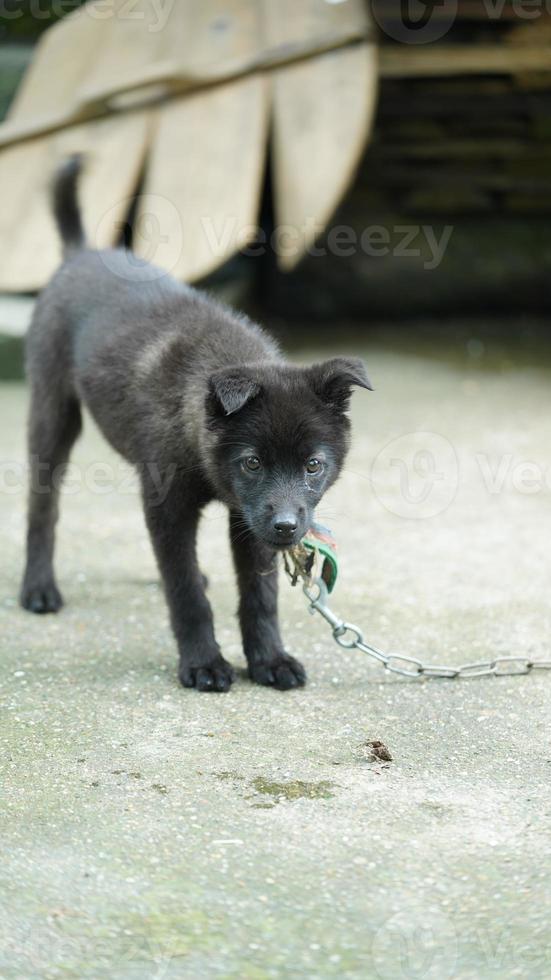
(41, 599)
(214, 676)
(282, 672)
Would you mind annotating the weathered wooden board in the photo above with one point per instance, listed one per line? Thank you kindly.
(291, 23)
(210, 155)
(96, 47)
(150, 51)
(207, 160)
(323, 109)
(322, 117)
(483, 59)
(214, 39)
(204, 177)
(62, 58)
(322, 113)
(205, 169)
(115, 150)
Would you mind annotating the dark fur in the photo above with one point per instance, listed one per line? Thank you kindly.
(152, 360)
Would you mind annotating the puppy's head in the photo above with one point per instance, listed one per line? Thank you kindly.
(281, 435)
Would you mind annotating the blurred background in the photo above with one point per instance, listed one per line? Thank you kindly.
(450, 186)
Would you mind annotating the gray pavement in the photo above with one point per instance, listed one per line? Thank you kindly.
(152, 832)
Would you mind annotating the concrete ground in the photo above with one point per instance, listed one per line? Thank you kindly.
(150, 832)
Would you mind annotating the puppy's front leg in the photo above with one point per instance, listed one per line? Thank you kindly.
(256, 569)
(172, 525)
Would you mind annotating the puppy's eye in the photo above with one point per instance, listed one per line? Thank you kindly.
(314, 466)
(252, 463)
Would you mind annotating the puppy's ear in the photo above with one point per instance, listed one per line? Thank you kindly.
(231, 389)
(333, 380)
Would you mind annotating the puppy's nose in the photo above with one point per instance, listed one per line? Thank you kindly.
(285, 527)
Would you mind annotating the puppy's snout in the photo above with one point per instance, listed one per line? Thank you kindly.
(285, 526)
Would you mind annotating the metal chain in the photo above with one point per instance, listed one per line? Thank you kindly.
(351, 638)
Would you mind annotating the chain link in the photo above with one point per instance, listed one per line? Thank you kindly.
(350, 637)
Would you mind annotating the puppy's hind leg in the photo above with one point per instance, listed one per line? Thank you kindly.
(54, 424)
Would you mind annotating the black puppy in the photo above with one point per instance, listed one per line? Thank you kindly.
(200, 400)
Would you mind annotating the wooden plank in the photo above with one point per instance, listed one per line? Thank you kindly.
(115, 150)
(95, 46)
(88, 51)
(71, 54)
(323, 111)
(94, 50)
(290, 23)
(405, 61)
(107, 51)
(454, 149)
(220, 40)
(205, 170)
(226, 37)
(63, 56)
(471, 105)
(134, 42)
(204, 178)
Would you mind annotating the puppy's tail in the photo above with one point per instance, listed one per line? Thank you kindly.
(65, 204)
